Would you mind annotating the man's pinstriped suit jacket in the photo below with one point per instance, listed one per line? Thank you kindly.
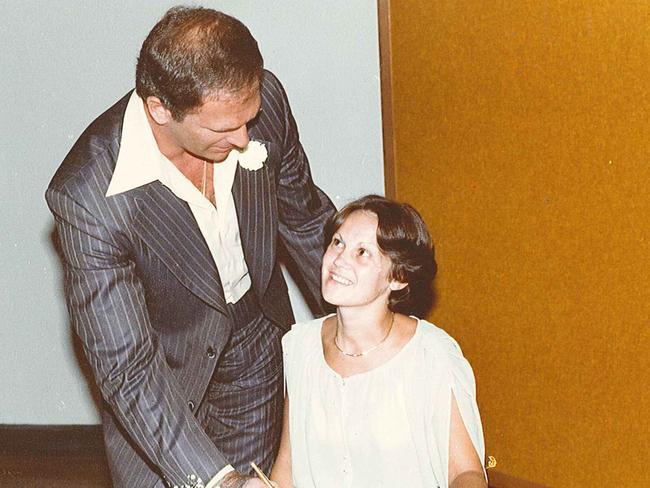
(144, 294)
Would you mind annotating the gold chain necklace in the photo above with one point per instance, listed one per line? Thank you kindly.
(362, 353)
(205, 177)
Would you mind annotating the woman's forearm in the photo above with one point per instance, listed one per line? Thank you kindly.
(281, 474)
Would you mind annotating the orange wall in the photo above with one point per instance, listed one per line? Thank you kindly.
(522, 133)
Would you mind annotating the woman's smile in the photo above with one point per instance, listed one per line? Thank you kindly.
(339, 279)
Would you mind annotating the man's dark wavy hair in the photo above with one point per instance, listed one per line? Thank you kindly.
(403, 236)
(193, 53)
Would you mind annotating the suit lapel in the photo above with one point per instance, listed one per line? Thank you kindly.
(166, 224)
(258, 217)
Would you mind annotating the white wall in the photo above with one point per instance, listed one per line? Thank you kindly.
(64, 62)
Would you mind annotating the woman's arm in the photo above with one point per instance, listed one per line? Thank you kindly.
(281, 472)
(465, 468)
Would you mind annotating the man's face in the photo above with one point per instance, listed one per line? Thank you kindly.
(212, 130)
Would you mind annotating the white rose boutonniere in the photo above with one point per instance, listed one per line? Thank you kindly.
(253, 156)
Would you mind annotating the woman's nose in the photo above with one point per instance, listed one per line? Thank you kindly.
(340, 259)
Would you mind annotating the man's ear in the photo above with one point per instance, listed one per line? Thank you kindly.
(397, 285)
(159, 113)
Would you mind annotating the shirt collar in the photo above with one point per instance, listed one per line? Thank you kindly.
(139, 159)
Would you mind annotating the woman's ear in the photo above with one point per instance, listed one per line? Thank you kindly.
(397, 285)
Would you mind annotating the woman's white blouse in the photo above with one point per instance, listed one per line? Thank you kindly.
(388, 427)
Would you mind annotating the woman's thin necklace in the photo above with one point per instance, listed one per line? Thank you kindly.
(367, 351)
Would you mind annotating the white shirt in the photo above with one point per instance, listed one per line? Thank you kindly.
(140, 162)
(386, 427)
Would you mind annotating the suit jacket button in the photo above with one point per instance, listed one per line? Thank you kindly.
(211, 353)
(191, 405)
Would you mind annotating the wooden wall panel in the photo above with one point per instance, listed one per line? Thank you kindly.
(522, 133)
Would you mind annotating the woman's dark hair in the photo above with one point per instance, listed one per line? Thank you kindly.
(403, 236)
(194, 52)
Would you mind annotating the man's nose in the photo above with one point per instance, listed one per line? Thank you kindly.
(239, 138)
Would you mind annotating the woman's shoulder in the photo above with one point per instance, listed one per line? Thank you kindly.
(307, 326)
(442, 353)
(303, 331)
(301, 346)
(436, 341)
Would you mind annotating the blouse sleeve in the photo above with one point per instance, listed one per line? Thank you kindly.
(463, 387)
(287, 343)
(446, 371)
(295, 344)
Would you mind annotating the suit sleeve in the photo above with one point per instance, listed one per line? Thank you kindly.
(303, 207)
(107, 307)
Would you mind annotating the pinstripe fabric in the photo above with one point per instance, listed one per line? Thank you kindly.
(243, 408)
(144, 294)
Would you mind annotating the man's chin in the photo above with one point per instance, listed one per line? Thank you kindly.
(218, 156)
(212, 155)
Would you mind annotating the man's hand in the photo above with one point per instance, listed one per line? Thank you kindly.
(235, 479)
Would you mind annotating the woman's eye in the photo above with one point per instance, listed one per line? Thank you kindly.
(363, 252)
(336, 242)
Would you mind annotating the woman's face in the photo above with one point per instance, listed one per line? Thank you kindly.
(355, 272)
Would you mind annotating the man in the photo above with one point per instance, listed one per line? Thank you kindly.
(169, 208)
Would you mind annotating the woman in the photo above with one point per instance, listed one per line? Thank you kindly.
(376, 397)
